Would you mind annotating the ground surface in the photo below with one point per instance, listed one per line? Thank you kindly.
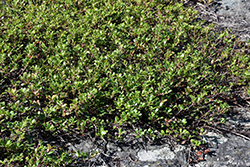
(227, 14)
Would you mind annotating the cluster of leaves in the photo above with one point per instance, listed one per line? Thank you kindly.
(106, 65)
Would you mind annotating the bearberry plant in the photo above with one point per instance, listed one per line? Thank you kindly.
(70, 66)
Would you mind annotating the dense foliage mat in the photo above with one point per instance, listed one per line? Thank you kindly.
(109, 65)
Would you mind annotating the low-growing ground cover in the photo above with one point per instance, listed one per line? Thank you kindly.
(109, 66)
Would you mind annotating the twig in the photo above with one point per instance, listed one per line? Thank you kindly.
(235, 133)
(209, 127)
(241, 106)
(104, 162)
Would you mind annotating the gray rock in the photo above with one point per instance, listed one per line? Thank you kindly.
(233, 15)
(156, 154)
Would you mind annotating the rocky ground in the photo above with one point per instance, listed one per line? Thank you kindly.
(227, 145)
(233, 15)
